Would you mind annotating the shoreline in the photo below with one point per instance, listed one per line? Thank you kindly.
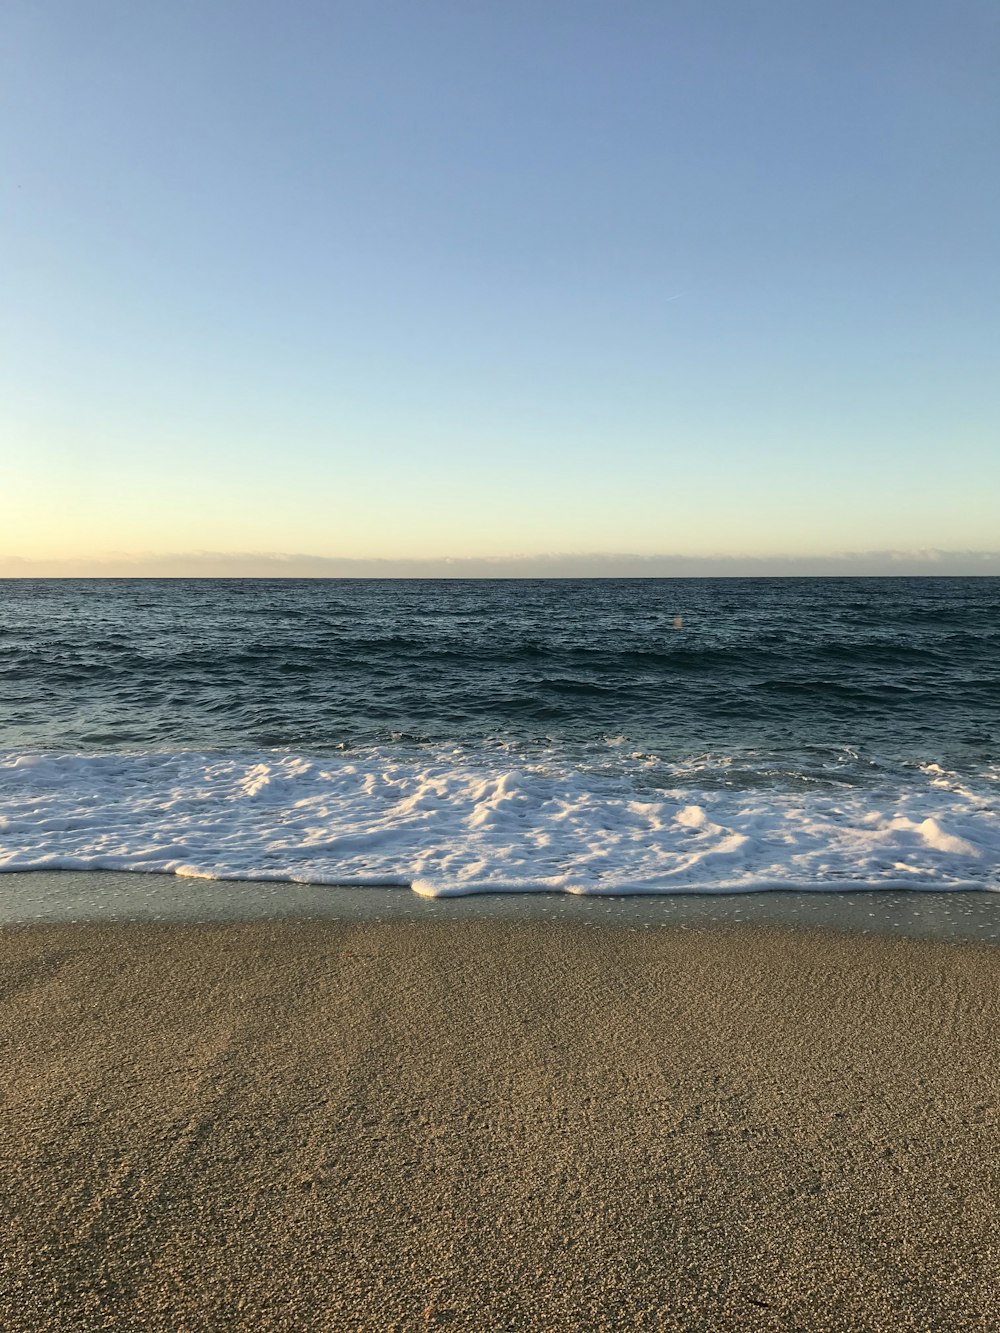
(486, 1123)
(63, 896)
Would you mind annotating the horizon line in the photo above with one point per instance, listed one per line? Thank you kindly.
(472, 578)
(263, 565)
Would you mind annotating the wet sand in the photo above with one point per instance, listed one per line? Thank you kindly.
(490, 1124)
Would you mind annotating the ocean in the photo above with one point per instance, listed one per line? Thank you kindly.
(589, 737)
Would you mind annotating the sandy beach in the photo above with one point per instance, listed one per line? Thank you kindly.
(496, 1125)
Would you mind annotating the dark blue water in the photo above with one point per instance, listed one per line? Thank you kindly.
(894, 668)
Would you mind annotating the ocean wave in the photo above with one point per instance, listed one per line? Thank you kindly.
(452, 819)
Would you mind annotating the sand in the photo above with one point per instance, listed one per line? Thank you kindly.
(496, 1125)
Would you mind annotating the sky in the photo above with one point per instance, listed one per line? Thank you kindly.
(561, 286)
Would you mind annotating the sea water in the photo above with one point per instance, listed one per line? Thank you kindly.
(589, 737)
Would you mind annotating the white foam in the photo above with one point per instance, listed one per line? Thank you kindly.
(491, 821)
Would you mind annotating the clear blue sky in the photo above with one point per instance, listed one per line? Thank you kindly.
(404, 279)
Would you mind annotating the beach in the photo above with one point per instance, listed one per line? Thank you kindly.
(492, 1123)
(499, 693)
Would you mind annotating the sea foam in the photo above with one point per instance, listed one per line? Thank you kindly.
(452, 820)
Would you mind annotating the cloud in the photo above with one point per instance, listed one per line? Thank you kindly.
(242, 564)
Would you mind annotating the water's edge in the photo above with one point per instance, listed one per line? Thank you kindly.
(102, 897)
